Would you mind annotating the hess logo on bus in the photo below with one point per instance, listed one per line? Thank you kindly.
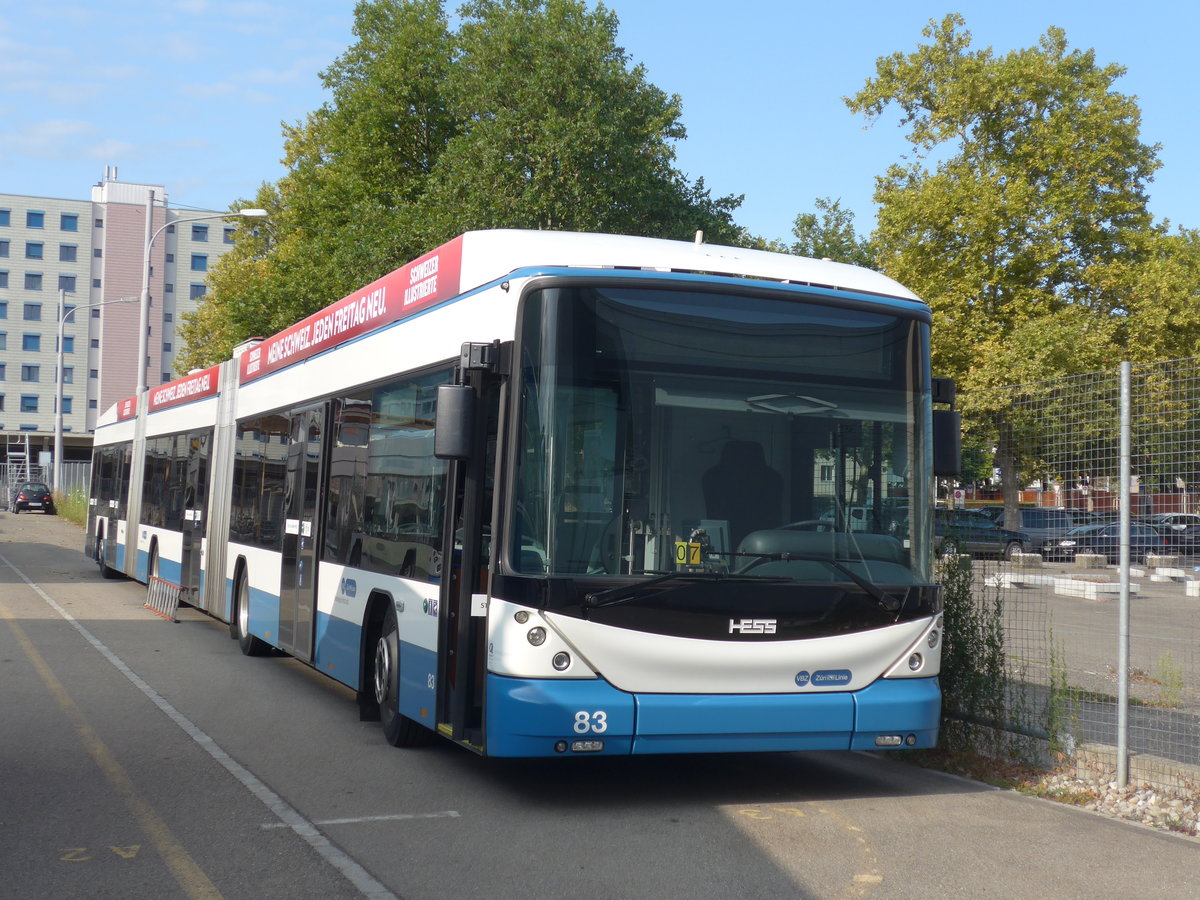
(752, 626)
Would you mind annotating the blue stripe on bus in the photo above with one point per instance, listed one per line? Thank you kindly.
(264, 616)
(418, 676)
(337, 648)
(527, 717)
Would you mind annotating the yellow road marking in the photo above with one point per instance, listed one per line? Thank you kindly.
(187, 874)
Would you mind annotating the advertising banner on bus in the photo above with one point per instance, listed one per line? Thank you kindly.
(195, 386)
(422, 283)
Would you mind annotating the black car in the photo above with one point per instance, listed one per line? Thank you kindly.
(32, 495)
(971, 531)
(1104, 539)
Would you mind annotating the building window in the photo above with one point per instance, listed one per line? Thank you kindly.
(33, 281)
(68, 374)
(199, 262)
(166, 346)
(35, 219)
(93, 373)
(33, 312)
(2, 373)
(3, 340)
(1, 403)
(170, 257)
(31, 342)
(200, 233)
(3, 248)
(66, 406)
(168, 288)
(29, 403)
(33, 250)
(3, 309)
(5, 216)
(99, 223)
(96, 284)
(68, 344)
(92, 404)
(168, 317)
(196, 291)
(166, 376)
(229, 230)
(3, 279)
(97, 253)
(68, 222)
(96, 312)
(66, 283)
(31, 373)
(95, 344)
(67, 252)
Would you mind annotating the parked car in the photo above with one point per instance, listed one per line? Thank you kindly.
(971, 531)
(1041, 523)
(1174, 521)
(1105, 539)
(32, 495)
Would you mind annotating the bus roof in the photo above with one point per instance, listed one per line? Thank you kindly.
(477, 258)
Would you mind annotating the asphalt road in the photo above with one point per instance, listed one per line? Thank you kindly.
(140, 758)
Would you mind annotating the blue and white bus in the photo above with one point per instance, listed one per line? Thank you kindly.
(549, 494)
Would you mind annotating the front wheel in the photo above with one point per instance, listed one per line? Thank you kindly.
(398, 729)
(1011, 550)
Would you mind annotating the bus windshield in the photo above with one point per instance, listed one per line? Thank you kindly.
(766, 433)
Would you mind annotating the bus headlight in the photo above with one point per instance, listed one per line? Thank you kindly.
(537, 636)
(915, 661)
(561, 661)
(933, 638)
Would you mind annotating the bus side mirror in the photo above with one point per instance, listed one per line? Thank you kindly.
(947, 442)
(454, 429)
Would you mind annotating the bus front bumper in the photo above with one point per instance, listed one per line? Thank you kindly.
(552, 717)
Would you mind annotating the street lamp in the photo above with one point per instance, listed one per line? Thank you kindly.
(63, 315)
(144, 318)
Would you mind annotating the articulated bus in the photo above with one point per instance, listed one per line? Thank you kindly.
(550, 494)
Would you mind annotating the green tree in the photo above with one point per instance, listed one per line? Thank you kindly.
(528, 116)
(829, 233)
(1028, 176)
(1028, 171)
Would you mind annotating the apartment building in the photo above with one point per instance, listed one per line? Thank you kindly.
(88, 255)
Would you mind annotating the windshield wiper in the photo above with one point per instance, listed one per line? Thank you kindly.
(627, 592)
(887, 602)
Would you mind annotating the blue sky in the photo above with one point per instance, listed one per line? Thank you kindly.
(191, 93)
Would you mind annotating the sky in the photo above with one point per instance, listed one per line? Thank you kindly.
(192, 94)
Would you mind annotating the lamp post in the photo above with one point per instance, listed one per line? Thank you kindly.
(144, 318)
(63, 315)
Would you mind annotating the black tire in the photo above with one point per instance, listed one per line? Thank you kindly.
(239, 623)
(398, 729)
(1011, 549)
(101, 556)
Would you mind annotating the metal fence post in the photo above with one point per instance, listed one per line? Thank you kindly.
(1123, 611)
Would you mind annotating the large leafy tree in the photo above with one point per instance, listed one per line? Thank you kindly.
(1028, 177)
(529, 115)
(1027, 171)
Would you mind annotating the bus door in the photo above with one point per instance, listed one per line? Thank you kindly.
(195, 502)
(303, 491)
(462, 635)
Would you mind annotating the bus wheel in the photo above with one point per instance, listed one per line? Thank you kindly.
(101, 560)
(250, 645)
(398, 729)
(152, 569)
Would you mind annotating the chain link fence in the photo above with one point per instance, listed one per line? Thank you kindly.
(1062, 626)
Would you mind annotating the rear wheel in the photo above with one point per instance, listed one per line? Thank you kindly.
(240, 624)
(1011, 550)
(101, 559)
(398, 729)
